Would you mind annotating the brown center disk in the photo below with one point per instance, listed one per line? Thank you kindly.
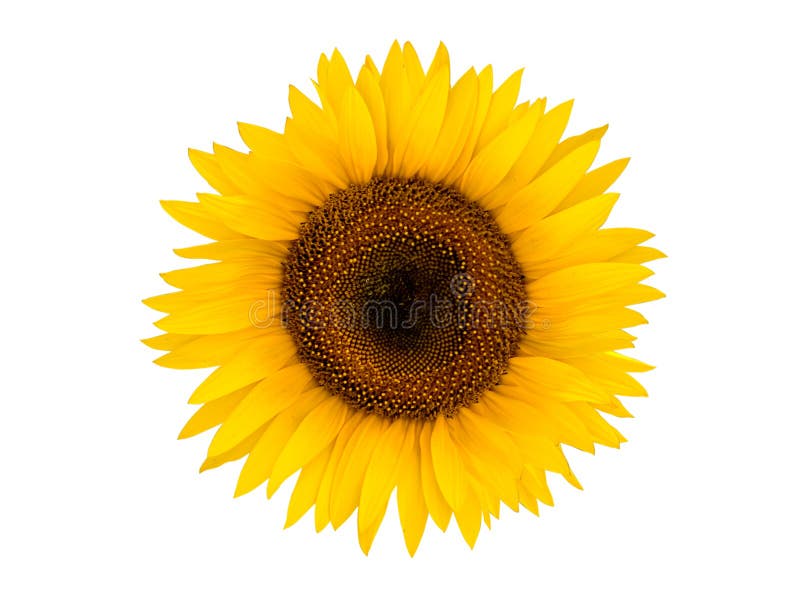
(403, 298)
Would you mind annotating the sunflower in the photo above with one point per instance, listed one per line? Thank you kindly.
(408, 289)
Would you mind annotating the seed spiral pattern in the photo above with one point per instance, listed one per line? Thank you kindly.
(403, 298)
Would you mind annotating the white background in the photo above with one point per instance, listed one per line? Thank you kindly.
(100, 102)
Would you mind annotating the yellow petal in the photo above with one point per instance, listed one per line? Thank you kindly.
(316, 432)
(544, 140)
(368, 85)
(600, 430)
(259, 358)
(252, 217)
(168, 341)
(307, 487)
(322, 512)
(215, 311)
(281, 428)
(208, 350)
(536, 200)
(495, 160)
(334, 79)
(235, 453)
(347, 482)
(468, 517)
(271, 396)
(397, 97)
(357, 137)
(599, 246)
(550, 380)
(380, 476)
(441, 60)
(264, 142)
(557, 233)
(500, 107)
(594, 183)
(195, 216)
(312, 139)
(208, 166)
(425, 121)
(411, 505)
(243, 248)
(413, 68)
(447, 465)
(566, 146)
(434, 500)
(213, 413)
(639, 255)
(455, 129)
(479, 115)
(590, 286)
(262, 272)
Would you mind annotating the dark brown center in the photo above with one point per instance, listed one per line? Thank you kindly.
(403, 298)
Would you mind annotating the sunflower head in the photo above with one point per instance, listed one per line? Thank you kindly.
(409, 288)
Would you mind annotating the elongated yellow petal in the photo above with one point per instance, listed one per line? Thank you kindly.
(447, 465)
(196, 217)
(602, 245)
(368, 85)
(208, 350)
(479, 115)
(518, 175)
(208, 166)
(252, 217)
(499, 111)
(545, 139)
(235, 249)
(380, 476)
(281, 428)
(313, 139)
(639, 255)
(590, 286)
(215, 311)
(415, 144)
(264, 142)
(557, 233)
(599, 428)
(334, 79)
(413, 68)
(537, 200)
(468, 517)
(261, 272)
(213, 413)
(594, 183)
(323, 504)
(411, 505)
(610, 371)
(455, 129)
(347, 482)
(570, 144)
(441, 60)
(434, 500)
(495, 160)
(235, 453)
(357, 137)
(169, 341)
(316, 432)
(259, 358)
(553, 381)
(307, 487)
(493, 441)
(380, 479)
(269, 397)
(398, 99)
